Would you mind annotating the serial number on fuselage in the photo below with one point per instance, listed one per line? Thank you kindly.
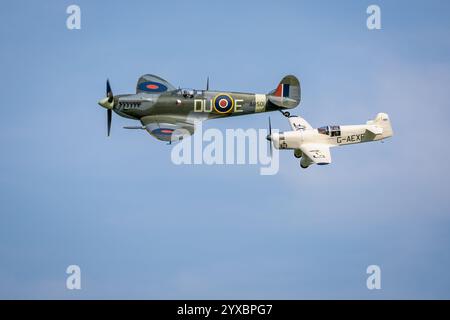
(350, 139)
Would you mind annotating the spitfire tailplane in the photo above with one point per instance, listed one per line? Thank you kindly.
(287, 94)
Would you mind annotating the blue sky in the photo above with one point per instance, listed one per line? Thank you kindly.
(142, 228)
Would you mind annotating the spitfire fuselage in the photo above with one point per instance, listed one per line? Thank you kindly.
(202, 104)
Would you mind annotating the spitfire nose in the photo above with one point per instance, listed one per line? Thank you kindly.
(105, 103)
(269, 137)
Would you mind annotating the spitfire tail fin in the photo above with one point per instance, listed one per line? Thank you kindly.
(287, 94)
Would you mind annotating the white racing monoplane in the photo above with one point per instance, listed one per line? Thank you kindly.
(313, 145)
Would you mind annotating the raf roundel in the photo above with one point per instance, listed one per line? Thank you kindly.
(223, 103)
(162, 132)
(152, 87)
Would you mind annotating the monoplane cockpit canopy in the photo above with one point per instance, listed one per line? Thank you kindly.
(333, 131)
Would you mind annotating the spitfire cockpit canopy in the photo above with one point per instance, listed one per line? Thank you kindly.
(333, 131)
(189, 93)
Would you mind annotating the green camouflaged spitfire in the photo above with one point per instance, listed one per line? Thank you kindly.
(164, 110)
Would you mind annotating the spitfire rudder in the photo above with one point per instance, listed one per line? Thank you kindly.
(287, 94)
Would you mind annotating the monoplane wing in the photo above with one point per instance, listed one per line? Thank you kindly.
(317, 153)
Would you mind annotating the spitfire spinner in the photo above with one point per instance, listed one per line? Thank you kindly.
(313, 145)
(162, 109)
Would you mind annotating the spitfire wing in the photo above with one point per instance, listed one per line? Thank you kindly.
(317, 153)
(168, 128)
(150, 83)
(298, 123)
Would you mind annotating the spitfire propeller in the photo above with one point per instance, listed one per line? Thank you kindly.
(108, 104)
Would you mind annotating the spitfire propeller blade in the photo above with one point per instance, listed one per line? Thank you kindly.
(109, 116)
(109, 93)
